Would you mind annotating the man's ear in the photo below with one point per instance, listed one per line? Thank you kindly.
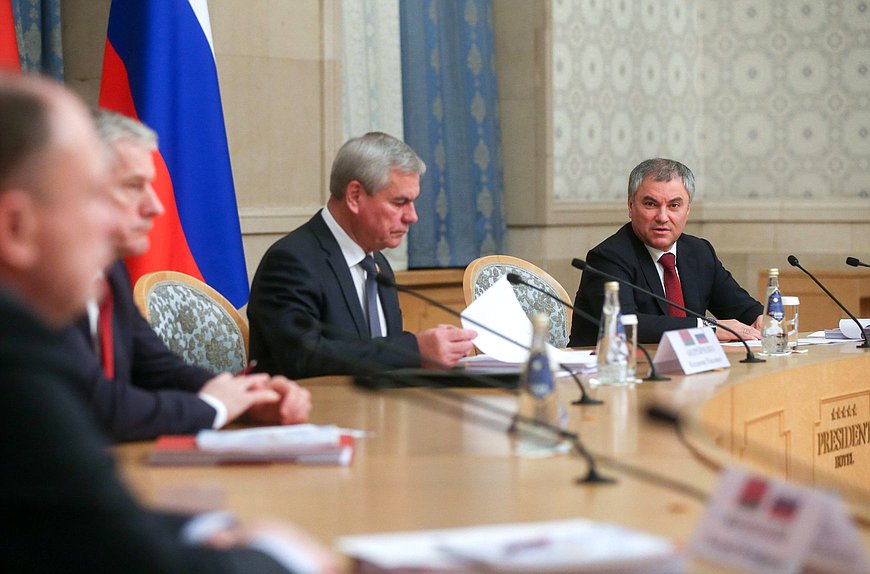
(18, 229)
(352, 195)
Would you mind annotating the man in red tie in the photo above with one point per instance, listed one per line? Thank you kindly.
(140, 389)
(653, 252)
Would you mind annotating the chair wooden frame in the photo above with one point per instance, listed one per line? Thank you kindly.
(480, 263)
(147, 282)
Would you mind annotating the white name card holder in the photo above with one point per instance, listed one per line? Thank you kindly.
(690, 351)
(760, 524)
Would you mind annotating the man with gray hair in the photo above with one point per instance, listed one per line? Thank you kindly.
(653, 252)
(315, 307)
(64, 506)
(140, 389)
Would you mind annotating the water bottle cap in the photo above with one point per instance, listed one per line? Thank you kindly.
(774, 271)
(611, 286)
(629, 319)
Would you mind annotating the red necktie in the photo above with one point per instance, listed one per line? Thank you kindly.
(104, 329)
(673, 289)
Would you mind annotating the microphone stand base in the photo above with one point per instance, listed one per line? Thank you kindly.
(752, 359)
(592, 477)
(587, 400)
(656, 377)
(863, 345)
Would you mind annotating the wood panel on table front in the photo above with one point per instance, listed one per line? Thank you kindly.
(810, 424)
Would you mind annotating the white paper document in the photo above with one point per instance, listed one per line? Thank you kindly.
(498, 309)
(545, 547)
(274, 439)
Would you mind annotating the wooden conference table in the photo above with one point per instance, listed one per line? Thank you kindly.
(434, 462)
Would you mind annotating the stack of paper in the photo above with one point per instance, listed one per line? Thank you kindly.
(848, 330)
(505, 340)
(559, 547)
(305, 444)
(575, 360)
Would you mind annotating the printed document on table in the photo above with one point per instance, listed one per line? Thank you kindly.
(498, 309)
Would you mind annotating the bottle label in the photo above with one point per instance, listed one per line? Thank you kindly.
(774, 306)
(539, 377)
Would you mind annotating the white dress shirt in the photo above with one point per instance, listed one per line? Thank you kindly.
(353, 255)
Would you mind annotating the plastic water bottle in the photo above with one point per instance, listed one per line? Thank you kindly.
(538, 401)
(612, 351)
(774, 340)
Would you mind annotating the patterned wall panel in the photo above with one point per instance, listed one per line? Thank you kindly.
(625, 87)
(787, 92)
(761, 98)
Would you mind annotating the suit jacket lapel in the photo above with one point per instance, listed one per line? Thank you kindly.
(690, 271)
(648, 268)
(338, 265)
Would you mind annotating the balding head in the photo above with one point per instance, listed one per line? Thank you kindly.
(55, 216)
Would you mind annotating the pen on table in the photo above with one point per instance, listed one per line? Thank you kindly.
(247, 370)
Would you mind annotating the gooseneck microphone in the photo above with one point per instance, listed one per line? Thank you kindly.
(405, 379)
(793, 261)
(584, 399)
(583, 266)
(855, 262)
(515, 279)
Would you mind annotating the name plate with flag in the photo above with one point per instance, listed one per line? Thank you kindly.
(690, 351)
(759, 524)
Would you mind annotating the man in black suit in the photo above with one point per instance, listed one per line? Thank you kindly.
(148, 390)
(64, 508)
(660, 193)
(324, 271)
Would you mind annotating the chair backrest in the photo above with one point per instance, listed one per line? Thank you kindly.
(483, 272)
(195, 321)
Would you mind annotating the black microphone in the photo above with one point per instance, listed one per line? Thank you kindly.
(855, 262)
(583, 266)
(584, 399)
(793, 261)
(515, 279)
(405, 378)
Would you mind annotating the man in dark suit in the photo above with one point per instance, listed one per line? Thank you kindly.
(325, 271)
(138, 387)
(64, 508)
(653, 252)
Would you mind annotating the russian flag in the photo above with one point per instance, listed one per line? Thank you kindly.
(9, 58)
(159, 67)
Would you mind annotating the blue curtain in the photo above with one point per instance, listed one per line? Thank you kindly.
(37, 23)
(450, 100)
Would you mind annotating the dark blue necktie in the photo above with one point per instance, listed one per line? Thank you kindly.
(368, 263)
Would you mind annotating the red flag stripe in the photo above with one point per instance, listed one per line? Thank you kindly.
(9, 57)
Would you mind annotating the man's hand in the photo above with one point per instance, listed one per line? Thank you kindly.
(294, 406)
(748, 332)
(757, 324)
(445, 344)
(238, 394)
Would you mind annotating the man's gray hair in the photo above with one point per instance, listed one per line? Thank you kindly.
(369, 159)
(661, 169)
(114, 127)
